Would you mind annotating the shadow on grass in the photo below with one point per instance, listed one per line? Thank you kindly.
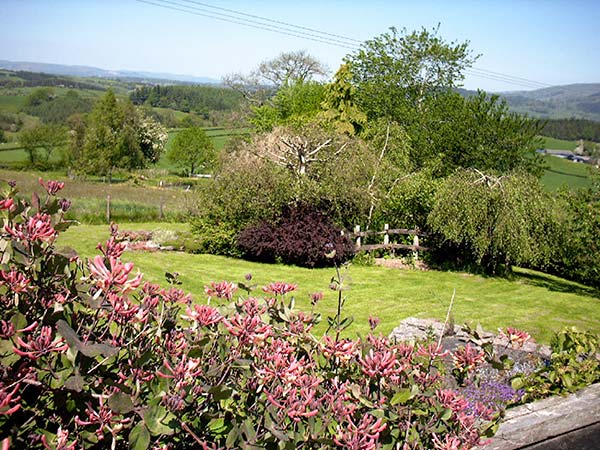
(567, 174)
(555, 284)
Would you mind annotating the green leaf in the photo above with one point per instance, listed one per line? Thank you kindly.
(139, 437)
(401, 397)
(220, 392)
(446, 414)
(74, 383)
(120, 403)
(218, 426)
(157, 420)
(90, 350)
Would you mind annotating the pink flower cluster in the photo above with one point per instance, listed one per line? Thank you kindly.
(37, 228)
(515, 337)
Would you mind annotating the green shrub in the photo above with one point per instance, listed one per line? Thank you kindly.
(577, 249)
(216, 238)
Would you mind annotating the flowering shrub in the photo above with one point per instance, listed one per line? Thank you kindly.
(92, 357)
(302, 235)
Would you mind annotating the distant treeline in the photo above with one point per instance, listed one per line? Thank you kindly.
(33, 79)
(198, 99)
(573, 129)
(50, 108)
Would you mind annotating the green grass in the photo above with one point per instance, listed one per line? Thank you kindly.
(558, 144)
(129, 201)
(564, 173)
(12, 103)
(530, 300)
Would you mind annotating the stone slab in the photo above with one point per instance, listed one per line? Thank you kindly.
(534, 423)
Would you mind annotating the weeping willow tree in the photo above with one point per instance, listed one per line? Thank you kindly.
(496, 221)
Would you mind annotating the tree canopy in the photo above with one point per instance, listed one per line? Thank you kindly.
(192, 149)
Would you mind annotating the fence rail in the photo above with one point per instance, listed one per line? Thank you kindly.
(386, 233)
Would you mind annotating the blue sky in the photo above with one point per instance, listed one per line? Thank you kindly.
(551, 42)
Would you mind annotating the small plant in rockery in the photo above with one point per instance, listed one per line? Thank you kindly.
(573, 364)
(93, 357)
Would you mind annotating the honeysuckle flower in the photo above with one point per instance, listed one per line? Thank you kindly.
(248, 329)
(64, 204)
(315, 298)
(16, 281)
(112, 248)
(452, 400)
(7, 203)
(223, 290)
(9, 400)
(342, 403)
(37, 228)
(343, 350)
(450, 442)
(363, 436)
(174, 295)
(124, 310)
(515, 337)
(34, 347)
(7, 329)
(117, 276)
(62, 437)
(297, 401)
(52, 187)
(380, 363)
(104, 417)
(185, 370)
(468, 358)
(203, 315)
(279, 288)
(432, 351)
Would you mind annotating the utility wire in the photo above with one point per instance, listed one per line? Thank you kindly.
(280, 27)
(245, 22)
(350, 40)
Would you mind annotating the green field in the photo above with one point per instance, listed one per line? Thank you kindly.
(558, 144)
(564, 173)
(530, 300)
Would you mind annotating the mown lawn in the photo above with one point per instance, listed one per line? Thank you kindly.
(530, 300)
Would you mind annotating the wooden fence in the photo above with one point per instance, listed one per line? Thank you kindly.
(387, 245)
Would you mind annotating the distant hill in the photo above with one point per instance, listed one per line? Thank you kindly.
(88, 71)
(556, 102)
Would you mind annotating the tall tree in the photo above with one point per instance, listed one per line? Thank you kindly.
(192, 149)
(398, 70)
(46, 137)
(287, 69)
(339, 106)
(118, 136)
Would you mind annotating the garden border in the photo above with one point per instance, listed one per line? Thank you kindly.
(532, 424)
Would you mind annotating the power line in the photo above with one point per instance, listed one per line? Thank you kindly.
(245, 22)
(506, 77)
(356, 41)
(515, 82)
(289, 29)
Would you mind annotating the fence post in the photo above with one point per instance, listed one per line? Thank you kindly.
(108, 208)
(161, 212)
(386, 236)
(416, 244)
(357, 230)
